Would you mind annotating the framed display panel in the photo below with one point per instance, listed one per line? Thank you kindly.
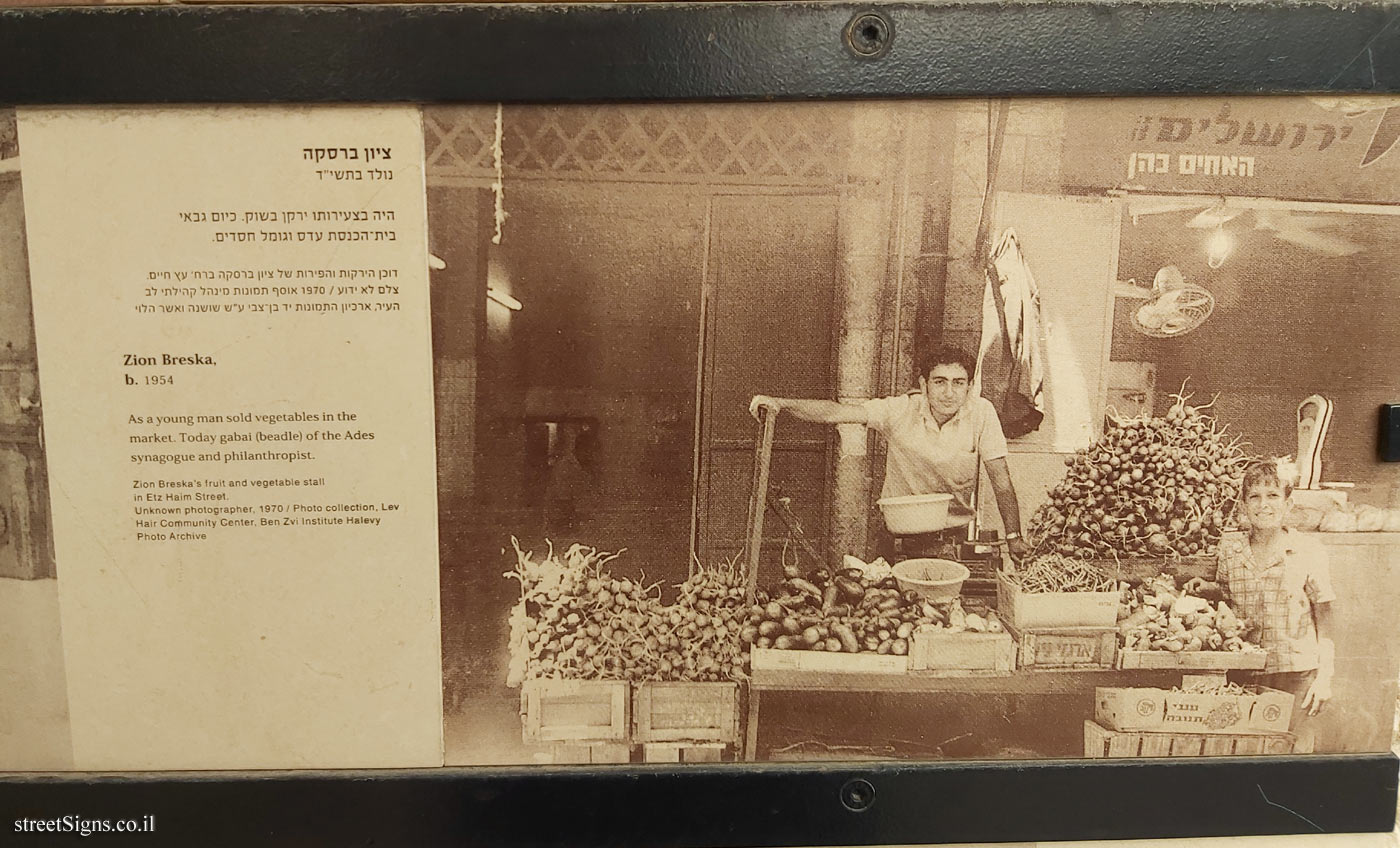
(783, 217)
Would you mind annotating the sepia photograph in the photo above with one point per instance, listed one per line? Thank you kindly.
(915, 430)
(775, 432)
(815, 413)
(34, 709)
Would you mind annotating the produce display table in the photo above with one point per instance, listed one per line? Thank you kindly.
(1056, 626)
(1365, 573)
(913, 683)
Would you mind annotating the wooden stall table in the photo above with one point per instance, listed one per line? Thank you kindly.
(917, 683)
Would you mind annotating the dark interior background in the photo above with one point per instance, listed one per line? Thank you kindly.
(1289, 322)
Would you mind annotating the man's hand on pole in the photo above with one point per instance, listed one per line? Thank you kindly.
(763, 402)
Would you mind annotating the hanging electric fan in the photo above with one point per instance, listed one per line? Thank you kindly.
(1175, 307)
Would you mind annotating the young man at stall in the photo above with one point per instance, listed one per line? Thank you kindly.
(935, 436)
(1278, 580)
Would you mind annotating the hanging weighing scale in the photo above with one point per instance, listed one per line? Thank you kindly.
(1314, 419)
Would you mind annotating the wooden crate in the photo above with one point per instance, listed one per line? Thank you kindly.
(685, 712)
(703, 753)
(1025, 611)
(1100, 742)
(945, 654)
(1066, 648)
(1188, 660)
(575, 710)
(1164, 711)
(829, 661)
(566, 753)
(666, 752)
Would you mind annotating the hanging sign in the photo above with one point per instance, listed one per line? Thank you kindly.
(1302, 148)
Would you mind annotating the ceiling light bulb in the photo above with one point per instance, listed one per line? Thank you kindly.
(1218, 247)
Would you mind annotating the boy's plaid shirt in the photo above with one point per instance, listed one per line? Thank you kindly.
(1276, 598)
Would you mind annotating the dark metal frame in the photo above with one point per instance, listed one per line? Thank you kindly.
(630, 52)
(721, 806)
(692, 51)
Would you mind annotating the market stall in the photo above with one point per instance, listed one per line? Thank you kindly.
(612, 669)
(1366, 577)
(1136, 515)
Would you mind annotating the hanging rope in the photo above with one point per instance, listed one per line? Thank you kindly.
(498, 188)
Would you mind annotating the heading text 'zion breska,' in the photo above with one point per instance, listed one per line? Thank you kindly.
(133, 359)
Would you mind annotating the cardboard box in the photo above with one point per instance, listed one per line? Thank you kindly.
(1164, 711)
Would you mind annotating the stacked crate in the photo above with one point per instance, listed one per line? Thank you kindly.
(583, 721)
(602, 721)
(685, 722)
(1065, 648)
(1060, 631)
(941, 653)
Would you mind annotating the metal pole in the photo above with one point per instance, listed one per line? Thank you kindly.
(758, 497)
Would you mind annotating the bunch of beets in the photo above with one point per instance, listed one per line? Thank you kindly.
(577, 620)
(1150, 486)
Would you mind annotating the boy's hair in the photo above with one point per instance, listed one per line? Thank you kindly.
(1269, 472)
(931, 358)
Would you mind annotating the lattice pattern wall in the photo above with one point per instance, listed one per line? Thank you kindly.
(735, 144)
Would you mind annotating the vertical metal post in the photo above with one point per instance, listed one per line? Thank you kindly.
(750, 750)
(758, 498)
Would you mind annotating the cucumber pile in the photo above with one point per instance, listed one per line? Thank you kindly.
(846, 612)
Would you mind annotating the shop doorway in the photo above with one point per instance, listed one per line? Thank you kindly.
(629, 368)
(609, 407)
(586, 392)
(770, 293)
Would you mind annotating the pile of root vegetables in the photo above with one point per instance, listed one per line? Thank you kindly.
(859, 609)
(578, 620)
(1157, 616)
(1150, 486)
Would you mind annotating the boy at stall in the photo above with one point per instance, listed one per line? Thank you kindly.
(1279, 581)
